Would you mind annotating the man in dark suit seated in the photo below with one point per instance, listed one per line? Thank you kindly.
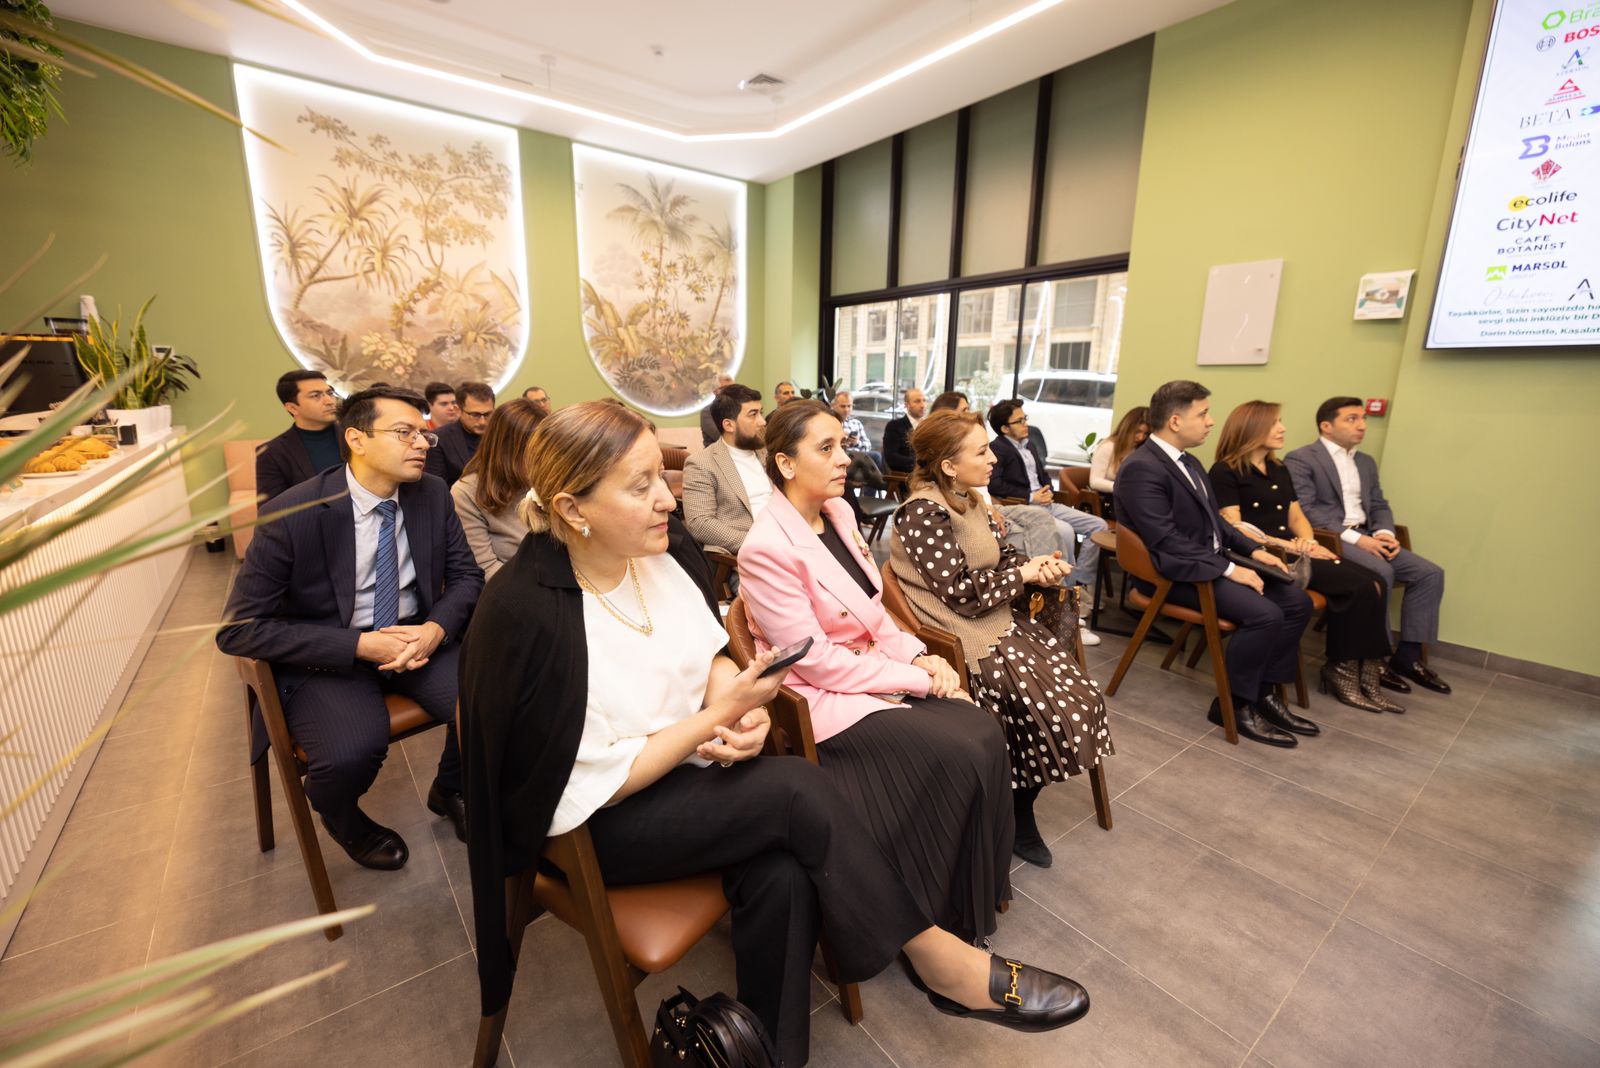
(458, 442)
(1339, 490)
(1019, 471)
(310, 445)
(363, 592)
(897, 452)
(1164, 495)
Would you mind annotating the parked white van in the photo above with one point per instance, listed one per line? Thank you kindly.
(1066, 406)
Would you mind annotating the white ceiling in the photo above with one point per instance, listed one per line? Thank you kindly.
(658, 79)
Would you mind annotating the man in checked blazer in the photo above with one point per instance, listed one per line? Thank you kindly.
(1339, 490)
(725, 485)
(362, 591)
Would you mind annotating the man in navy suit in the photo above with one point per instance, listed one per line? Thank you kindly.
(362, 592)
(1163, 494)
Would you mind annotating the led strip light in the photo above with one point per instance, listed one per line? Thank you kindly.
(921, 63)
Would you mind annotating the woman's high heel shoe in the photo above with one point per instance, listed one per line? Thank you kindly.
(1342, 679)
(1372, 686)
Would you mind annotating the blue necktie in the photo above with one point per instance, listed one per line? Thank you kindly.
(386, 591)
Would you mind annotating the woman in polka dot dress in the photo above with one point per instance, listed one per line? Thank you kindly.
(958, 575)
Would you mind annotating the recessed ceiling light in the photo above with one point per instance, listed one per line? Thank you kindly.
(922, 62)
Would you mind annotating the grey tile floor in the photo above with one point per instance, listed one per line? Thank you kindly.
(1404, 890)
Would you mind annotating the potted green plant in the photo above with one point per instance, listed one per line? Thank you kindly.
(151, 375)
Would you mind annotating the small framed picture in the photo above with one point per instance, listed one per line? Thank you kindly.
(1383, 295)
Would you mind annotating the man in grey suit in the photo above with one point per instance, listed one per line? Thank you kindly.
(725, 485)
(1339, 490)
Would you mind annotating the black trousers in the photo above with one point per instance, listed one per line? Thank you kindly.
(341, 723)
(792, 853)
(1263, 650)
(1357, 626)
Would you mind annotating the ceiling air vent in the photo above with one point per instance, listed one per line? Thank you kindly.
(765, 84)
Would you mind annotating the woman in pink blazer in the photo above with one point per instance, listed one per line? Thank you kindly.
(926, 769)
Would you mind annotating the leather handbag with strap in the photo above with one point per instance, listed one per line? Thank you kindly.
(1055, 607)
(718, 1032)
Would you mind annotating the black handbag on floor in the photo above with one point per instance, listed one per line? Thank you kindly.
(718, 1032)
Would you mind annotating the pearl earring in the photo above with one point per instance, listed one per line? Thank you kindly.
(584, 530)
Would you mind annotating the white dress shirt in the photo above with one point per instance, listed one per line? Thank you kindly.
(757, 486)
(1028, 461)
(1176, 454)
(638, 683)
(1355, 516)
(364, 503)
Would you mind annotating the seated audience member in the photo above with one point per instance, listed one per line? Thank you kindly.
(538, 398)
(710, 430)
(782, 394)
(1110, 452)
(866, 464)
(355, 598)
(1256, 494)
(443, 408)
(663, 761)
(459, 440)
(897, 433)
(1019, 471)
(1339, 490)
(925, 769)
(310, 445)
(1164, 496)
(1054, 719)
(1028, 528)
(725, 485)
(491, 487)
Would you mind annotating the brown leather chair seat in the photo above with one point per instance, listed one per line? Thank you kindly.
(656, 923)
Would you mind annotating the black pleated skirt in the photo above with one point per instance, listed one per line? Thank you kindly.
(932, 782)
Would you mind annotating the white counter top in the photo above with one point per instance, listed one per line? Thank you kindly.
(36, 498)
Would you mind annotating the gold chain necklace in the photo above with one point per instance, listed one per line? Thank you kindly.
(647, 628)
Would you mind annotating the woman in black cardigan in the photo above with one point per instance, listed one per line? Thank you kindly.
(541, 744)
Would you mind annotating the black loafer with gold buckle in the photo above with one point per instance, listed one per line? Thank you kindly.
(1030, 999)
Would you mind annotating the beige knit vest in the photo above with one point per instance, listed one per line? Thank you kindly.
(978, 544)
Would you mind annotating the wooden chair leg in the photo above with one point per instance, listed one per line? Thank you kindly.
(849, 993)
(520, 911)
(1177, 646)
(1301, 698)
(1199, 650)
(1139, 632)
(616, 978)
(306, 834)
(261, 785)
(1102, 795)
(1219, 666)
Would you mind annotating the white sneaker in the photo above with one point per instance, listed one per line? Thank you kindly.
(1089, 637)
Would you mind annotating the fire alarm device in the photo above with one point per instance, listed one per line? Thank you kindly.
(1378, 406)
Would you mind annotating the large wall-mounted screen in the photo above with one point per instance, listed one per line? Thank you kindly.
(1522, 261)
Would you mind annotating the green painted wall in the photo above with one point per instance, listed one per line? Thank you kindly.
(793, 281)
(160, 187)
(1328, 134)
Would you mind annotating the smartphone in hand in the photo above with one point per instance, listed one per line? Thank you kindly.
(788, 655)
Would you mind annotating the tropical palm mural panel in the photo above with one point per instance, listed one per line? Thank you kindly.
(661, 259)
(391, 235)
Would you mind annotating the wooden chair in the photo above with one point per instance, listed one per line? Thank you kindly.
(941, 642)
(406, 718)
(877, 512)
(630, 932)
(672, 460)
(1075, 482)
(1134, 558)
(790, 734)
(724, 565)
(899, 485)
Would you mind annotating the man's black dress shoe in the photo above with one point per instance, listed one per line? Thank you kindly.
(1030, 999)
(371, 845)
(451, 804)
(1252, 726)
(1420, 674)
(1275, 712)
(1390, 681)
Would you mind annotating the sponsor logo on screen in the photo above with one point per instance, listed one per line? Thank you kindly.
(1531, 245)
(1576, 60)
(1548, 218)
(1545, 171)
(1582, 291)
(1567, 92)
(1546, 265)
(1581, 35)
(1570, 16)
(1547, 43)
(1559, 197)
(1497, 273)
(1534, 147)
